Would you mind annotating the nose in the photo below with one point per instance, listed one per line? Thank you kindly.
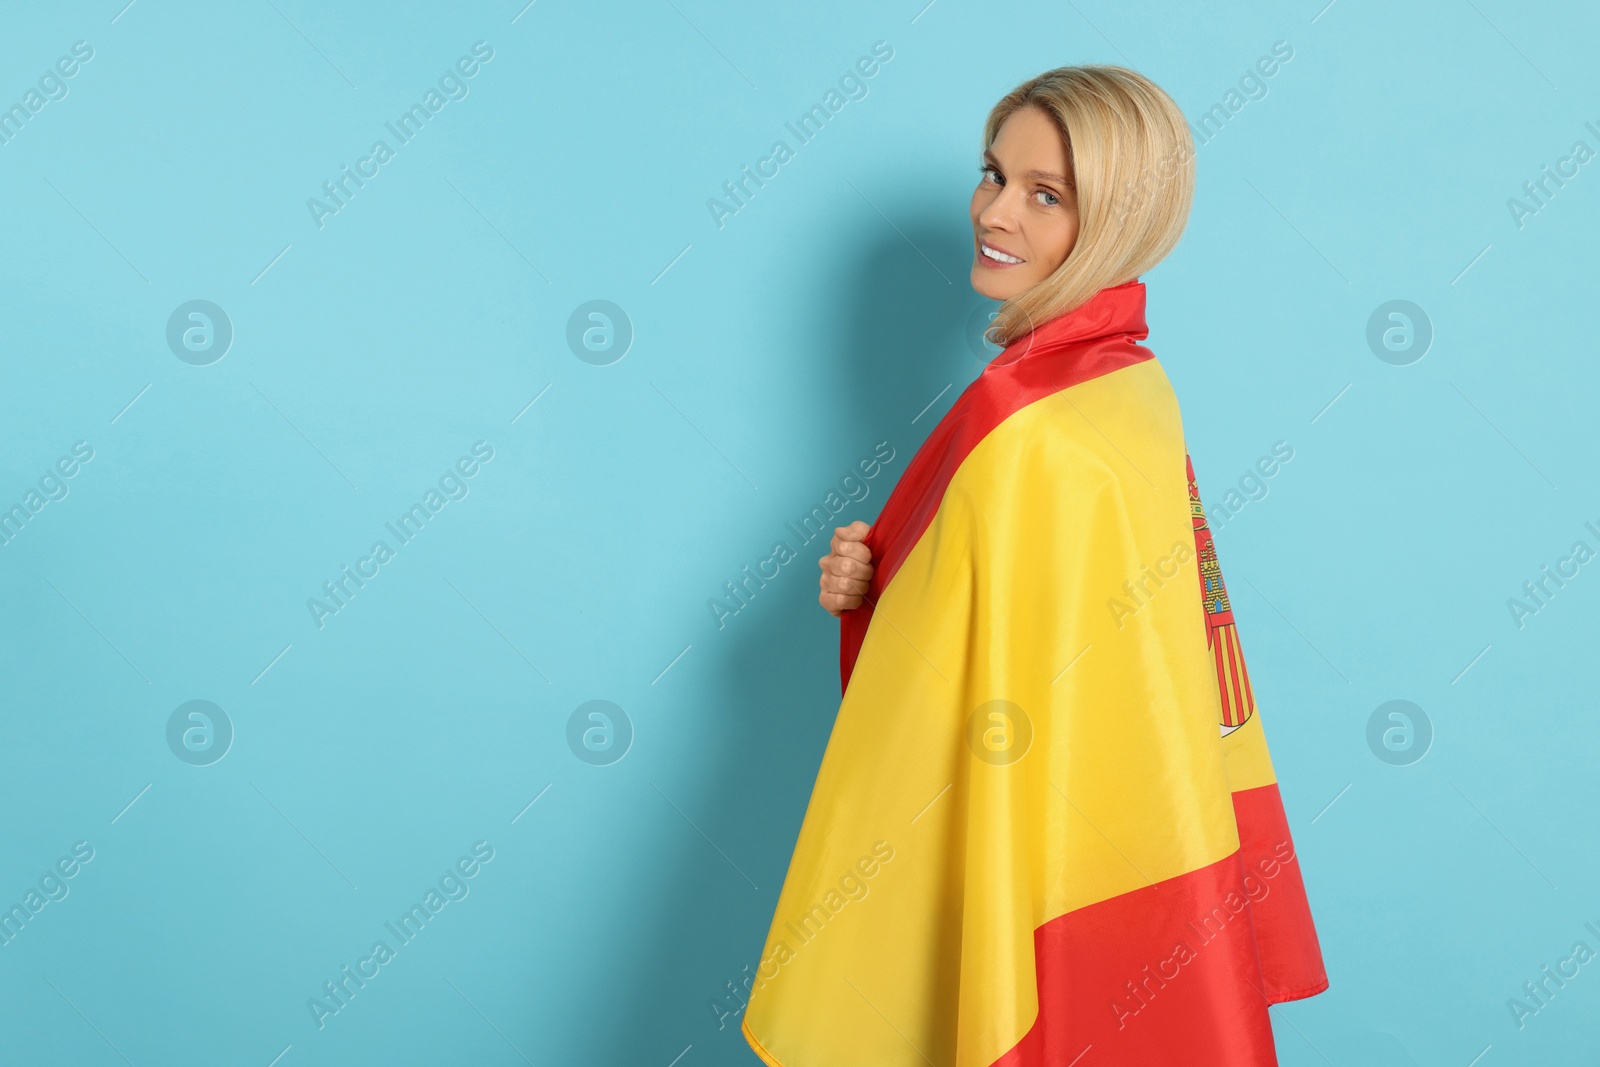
(1000, 213)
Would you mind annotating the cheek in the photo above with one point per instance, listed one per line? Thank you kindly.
(1061, 238)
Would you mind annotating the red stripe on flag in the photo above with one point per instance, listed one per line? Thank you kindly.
(1115, 987)
(1222, 682)
(1095, 339)
(1236, 671)
(1231, 645)
(1244, 672)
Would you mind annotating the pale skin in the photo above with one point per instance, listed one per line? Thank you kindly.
(1024, 225)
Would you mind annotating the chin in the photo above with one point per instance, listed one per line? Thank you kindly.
(984, 283)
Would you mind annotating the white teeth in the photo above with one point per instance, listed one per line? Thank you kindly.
(998, 256)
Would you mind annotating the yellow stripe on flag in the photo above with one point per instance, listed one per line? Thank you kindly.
(1076, 511)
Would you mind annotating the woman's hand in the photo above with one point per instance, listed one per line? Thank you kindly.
(846, 569)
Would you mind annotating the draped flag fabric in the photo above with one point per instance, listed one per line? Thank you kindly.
(1046, 829)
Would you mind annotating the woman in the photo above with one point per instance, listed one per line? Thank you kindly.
(1046, 829)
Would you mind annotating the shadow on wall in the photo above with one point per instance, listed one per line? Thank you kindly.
(896, 341)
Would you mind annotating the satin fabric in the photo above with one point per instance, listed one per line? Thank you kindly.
(1034, 835)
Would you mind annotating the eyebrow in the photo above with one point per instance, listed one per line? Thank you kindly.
(1043, 175)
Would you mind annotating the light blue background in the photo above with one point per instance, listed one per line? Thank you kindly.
(826, 316)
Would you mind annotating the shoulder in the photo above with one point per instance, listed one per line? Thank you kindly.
(1121, 425)
(1092, 476)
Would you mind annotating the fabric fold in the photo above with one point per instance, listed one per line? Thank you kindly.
(1046, 824)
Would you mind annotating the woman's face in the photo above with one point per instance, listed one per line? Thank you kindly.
(1025, 208)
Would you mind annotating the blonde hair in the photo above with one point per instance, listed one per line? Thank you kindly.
(1132, 160)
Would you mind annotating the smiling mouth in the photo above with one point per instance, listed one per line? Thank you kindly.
(994, 255)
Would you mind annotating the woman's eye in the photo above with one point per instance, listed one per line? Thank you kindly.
(1049, 199)
(992, 175)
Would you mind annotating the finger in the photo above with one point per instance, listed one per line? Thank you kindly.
(836, 604)
(854, 532)
(842, 546)
(854, 550)
(847, 567)
(848, 586)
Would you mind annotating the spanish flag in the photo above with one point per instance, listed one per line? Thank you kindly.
(1046, 829)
